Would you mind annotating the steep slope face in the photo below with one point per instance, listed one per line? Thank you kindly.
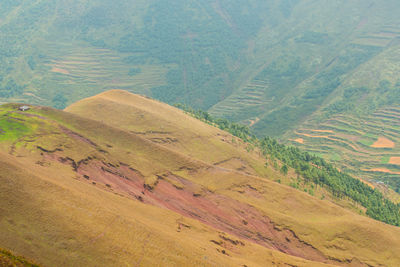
(74, 195)
(101, 195)
(126, 103)
(303, 61)
(171, 128)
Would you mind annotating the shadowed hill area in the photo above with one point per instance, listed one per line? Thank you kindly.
(78, 191)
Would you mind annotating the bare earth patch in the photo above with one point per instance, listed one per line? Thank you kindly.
(252, 122)
(394, 160)
(383, 142)
(299, 140)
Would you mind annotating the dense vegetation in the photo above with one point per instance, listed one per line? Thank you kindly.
(314, 169)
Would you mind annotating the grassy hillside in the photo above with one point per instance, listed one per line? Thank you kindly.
(276, 66)
(169, 127)
(99, 194)
(61, 210)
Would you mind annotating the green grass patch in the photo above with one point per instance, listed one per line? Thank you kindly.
(385, 160)
(336, 157)
(366, 142)
(12, 126)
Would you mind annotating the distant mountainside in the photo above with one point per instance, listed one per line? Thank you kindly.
(322, 75)
(119, 178)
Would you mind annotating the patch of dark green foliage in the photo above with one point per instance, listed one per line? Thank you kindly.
(314, 169)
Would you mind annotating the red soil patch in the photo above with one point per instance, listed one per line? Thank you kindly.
(194, 201)
(59, 70)
(394, 160)
(383, 142)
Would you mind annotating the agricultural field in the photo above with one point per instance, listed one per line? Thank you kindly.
(367, 147)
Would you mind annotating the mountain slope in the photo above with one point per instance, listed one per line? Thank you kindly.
(266, 196)
(91, 214)
(282, 67)
(98, 194)
(171, 128)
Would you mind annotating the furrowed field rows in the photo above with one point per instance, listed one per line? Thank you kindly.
(95, 69)
(250, 96)
(367, 147)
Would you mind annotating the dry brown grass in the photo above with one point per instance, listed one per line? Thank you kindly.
(54, 215)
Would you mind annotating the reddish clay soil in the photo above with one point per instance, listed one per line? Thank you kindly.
(218, 211)
(194, 201)
(383, 142)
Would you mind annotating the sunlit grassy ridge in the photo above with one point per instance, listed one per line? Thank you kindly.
(156, 122)
(56, 215)
(72, 194)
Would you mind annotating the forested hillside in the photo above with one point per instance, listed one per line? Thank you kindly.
(322, 75)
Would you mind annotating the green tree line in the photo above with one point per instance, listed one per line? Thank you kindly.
(312, 168)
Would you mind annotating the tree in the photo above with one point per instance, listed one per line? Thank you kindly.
(59, 101)
(284, 169)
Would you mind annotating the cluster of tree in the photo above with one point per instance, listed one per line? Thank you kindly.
(10, 89)
(312, 168)
(199, 42)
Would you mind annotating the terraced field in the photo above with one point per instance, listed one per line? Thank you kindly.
(368, 147)
(81, 69)
(382, 38)
(250, 98)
